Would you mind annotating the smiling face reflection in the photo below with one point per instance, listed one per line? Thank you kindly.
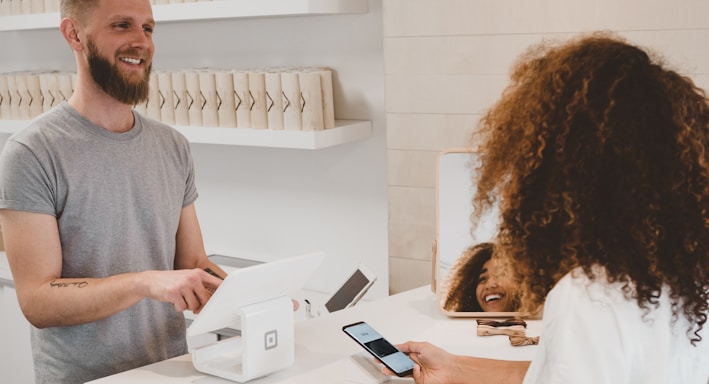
(494, 289)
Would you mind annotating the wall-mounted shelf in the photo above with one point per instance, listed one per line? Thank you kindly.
(345, 131)
(209, 10)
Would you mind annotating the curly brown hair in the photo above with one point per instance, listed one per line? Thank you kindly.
(597, 155)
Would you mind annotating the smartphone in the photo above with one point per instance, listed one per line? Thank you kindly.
(397, 361)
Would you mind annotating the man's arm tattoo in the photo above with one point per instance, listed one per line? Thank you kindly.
(60, 284)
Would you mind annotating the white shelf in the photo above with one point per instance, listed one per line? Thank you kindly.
(345, 131)
(209, 10)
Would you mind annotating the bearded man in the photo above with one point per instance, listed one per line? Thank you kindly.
(97, 210)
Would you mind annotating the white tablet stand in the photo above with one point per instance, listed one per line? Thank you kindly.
(256, 300)
(266, 344)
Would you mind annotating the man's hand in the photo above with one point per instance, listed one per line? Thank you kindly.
(185, 289)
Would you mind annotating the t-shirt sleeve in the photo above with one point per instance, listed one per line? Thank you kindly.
(25, 185)
(191, 193)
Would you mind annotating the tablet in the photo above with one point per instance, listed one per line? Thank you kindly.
(251, 285)
(352, 290)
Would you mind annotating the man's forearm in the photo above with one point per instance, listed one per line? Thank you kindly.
(73, 301)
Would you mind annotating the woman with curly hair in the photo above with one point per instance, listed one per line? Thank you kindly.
(479, 283)
(598, 156)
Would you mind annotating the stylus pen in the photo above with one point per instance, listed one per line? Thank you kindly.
(307, 307)
(209, 270)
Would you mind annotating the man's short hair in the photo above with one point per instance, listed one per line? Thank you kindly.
(77, 9)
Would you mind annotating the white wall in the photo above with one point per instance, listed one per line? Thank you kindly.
(271, 203)
(446, 61)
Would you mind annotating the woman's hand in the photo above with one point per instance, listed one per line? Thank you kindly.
(433, 364)
(436, 366)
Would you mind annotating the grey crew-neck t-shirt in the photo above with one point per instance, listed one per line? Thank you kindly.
(117, 198)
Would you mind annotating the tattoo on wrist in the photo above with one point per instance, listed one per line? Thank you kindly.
(61, 284)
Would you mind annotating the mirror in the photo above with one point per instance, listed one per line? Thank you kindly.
(456, 244)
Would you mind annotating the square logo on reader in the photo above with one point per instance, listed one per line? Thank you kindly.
(270, 339)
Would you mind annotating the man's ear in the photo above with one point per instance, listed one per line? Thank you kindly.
(70, 30)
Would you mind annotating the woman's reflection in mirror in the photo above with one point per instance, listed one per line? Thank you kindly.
(478, 282)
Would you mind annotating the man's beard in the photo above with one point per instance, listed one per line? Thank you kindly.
(110, 79)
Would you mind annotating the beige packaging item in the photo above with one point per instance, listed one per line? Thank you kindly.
(257, 92)
(194, 106)
(50, 90)
(153, 98)
(23, 96)
(208, 94)
(25, 6)
(15, 7)
(274, 99)
(5, 98)
(225, 97)
(65, 82)
(167, 98)
(242, 98)
(14, 96)
(51, 6)
(7, 7)
(311, 91)
(328, 102)
(36, 6)
(181, 97)
(328, 98)
(34, 95)
(292, 101)
(178, 1)
(73, 80)
(142, 108)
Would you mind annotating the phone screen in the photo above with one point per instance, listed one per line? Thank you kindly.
(378, 346)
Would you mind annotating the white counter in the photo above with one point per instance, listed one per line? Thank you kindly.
(322, 350)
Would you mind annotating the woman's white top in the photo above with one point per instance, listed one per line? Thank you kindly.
(593, 334)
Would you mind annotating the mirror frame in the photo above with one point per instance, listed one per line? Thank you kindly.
(440, 242)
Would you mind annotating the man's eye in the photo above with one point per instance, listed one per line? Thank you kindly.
(148, 29)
